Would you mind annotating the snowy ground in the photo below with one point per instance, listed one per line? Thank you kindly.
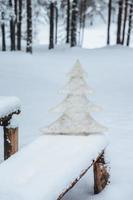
(36, 80)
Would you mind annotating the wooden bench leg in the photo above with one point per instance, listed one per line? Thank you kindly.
(101, 176)
(10, 141)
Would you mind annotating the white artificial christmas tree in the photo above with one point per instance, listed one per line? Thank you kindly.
(76, 108)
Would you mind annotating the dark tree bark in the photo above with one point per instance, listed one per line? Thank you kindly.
(81, 11)
(12, 28)
(84, 16)
(68, 22)
(51, 31)
(119, 22)
(19, 23)
(83, 7)
(29, 26)
(56, 24)
(74, 23)
(15, 20)
(3, 32)
(109, 21)
(130, 23)
(16, 9)
(125, 20)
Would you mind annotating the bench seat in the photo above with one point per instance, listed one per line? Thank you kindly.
(46, 167)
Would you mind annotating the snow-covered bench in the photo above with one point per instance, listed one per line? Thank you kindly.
(50, 166)
(9, 106)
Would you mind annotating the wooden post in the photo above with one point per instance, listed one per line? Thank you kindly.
(10, 141)
(101, 176)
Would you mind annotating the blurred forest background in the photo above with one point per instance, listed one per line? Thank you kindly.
(59, 22)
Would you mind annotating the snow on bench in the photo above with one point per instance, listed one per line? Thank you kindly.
(8, 105)
(44, 169)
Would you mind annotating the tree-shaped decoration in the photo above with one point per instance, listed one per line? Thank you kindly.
(76, 108)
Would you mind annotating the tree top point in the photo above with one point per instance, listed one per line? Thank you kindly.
(77, 70)
(77, 64)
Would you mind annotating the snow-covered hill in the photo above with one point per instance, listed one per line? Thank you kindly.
(36, 80)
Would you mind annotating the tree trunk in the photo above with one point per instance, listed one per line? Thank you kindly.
(74, 23)
(125, 20)
(130, 24)
(81, 11)
(68, 22)
(3, 32)
(15, 20)
(51, 34)
(119, 22)
(109, 21)
(19, 25)
(29, 26)
(83, 21)
(12, 28)
(56, 27)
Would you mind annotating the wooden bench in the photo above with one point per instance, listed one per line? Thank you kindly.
(9, 106)
(50, 166)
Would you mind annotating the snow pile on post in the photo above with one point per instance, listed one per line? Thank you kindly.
(8, 105)
(76, 108)
(45, 168)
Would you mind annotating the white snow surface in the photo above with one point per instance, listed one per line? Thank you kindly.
(8, 105)
(45, 168)
(36, 80)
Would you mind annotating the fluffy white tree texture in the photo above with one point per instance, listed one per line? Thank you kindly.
(76, 107)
